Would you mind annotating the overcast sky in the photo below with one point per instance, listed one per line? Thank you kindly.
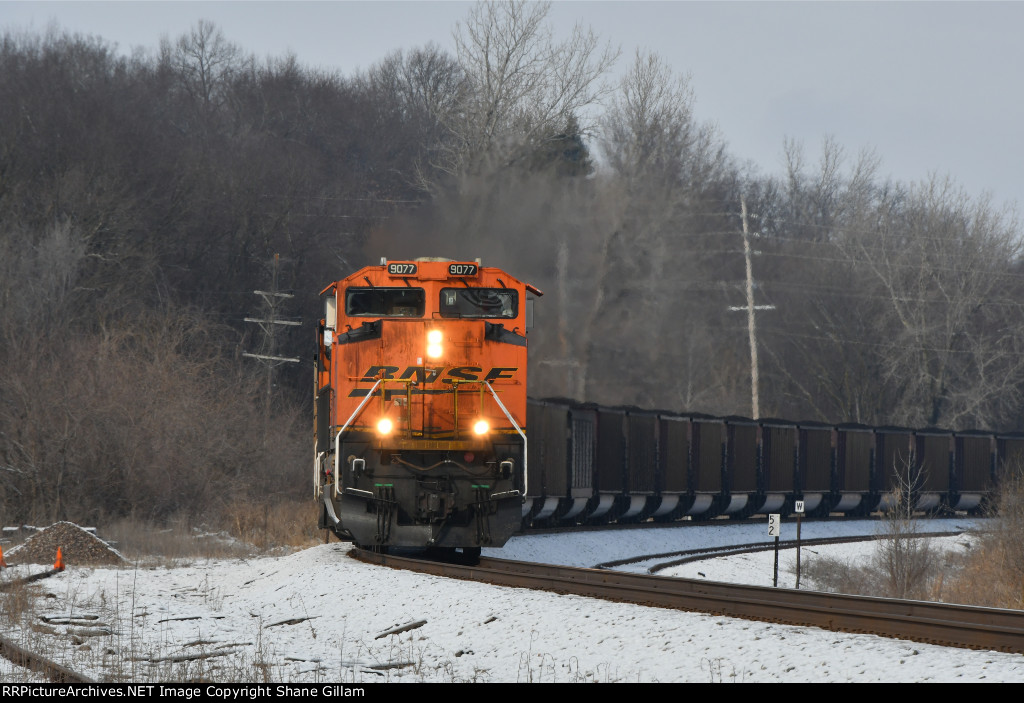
(931, 86)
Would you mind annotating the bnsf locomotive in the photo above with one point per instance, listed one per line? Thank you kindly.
(420, 405)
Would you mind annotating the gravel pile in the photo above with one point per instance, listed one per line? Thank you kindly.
(77, 546)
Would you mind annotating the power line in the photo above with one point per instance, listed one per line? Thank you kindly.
(269, 323)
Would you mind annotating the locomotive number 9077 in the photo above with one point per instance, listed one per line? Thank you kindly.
(402, 269)
(462, 269)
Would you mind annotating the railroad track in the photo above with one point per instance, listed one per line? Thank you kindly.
(944, 624)
(686, 556)
(34, 661)
(687, 523)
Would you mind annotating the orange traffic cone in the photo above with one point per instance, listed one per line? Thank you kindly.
(59, 564)
(3, 564)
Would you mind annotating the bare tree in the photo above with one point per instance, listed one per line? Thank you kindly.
(100, 427)
(428, 86)
(902, 299)
(525, 85)
(821, 360)
(205, 63)
(941, 262)
(904, 563)
(427, 81)
(905, 560)
(649, 129)
(40, 275)
(825, 199)
(668, 175)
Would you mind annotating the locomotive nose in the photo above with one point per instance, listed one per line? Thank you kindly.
(426, 392)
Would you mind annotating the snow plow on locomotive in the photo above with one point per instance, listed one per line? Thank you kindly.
(420, 405)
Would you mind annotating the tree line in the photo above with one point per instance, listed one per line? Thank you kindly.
(144, 197)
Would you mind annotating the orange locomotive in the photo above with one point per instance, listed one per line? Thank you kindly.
(420, 405)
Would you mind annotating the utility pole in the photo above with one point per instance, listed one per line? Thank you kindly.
(750, 308)
(272, 299)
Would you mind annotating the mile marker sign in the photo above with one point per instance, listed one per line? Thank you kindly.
(774, 524)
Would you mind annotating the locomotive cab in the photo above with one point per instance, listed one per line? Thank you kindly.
(420, 405)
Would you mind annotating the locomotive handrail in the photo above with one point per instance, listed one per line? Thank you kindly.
(317, 465)
(337, 437)
(521, 433)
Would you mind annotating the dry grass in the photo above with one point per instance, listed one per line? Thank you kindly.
(134, 652)
(993, 572)
(983, 580)
(903, 564)
(990, 573)
(284, 523)
(138, 540)
(243, 528)
(883, 575)
(16, 600)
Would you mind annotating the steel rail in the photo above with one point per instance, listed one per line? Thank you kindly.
(687, 556)
(8, 585)
(971, 627)
(27, 659)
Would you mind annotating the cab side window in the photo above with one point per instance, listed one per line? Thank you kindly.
(479, 302)
(384, 302)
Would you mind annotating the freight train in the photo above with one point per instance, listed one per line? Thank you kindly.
(420, 426)
(420, 406)
(591, 465)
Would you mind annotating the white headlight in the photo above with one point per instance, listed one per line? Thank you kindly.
(434, 351)
(434, 337)
(384, 426)
(481, 427)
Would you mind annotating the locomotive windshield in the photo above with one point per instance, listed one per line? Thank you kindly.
(479, 302)
(385, 302)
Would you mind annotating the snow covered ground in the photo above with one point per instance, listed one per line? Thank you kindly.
(319, 616)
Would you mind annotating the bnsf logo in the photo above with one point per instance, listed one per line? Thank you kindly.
(425, 375)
